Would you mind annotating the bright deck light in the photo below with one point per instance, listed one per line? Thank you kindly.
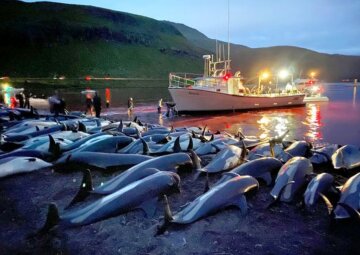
(264, 75)
(283, 74)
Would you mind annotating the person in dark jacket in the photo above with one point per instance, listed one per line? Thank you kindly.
(97, 105)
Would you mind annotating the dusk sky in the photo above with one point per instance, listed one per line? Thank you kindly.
(329, 26)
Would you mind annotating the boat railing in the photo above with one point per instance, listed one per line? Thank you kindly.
(182, 79)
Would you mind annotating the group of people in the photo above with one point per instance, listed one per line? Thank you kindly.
(93, 101)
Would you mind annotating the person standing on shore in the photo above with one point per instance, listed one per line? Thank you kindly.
(97, 105)
(54, 102)
(89, 101)
(130, 106)
(159, 105)
(107, 97)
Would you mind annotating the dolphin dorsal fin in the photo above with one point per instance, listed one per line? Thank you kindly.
(85, 187)
(177, 147)
(167, 217)
(145, 147)
(121, 126)
(191, 144)
(51, 144)
(52, 219)
(82, 127)
(196, 160)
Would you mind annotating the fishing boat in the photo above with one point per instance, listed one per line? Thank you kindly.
(312, 88)
(218, 90)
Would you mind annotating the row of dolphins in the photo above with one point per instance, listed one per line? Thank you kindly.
(151, 158)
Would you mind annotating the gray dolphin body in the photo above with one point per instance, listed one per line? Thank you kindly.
(104, 143)
(296, 149)
(318, 185)
(98, 161)
(350, 195)
(323, 155)
(163, 163)
(230, 192)
(295, 170)
(263, 150)
(347, 157)
(261, 168)
(16, 165)
(79, 142)
(226, 159)
(140, 194)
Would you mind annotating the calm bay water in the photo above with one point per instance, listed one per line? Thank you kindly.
(336, 121)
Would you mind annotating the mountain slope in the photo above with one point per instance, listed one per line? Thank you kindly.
(43, 39)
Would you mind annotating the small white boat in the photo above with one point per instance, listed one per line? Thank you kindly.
(312, 89)
(218, 90)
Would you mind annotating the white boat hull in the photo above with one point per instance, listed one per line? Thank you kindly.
(191, 100)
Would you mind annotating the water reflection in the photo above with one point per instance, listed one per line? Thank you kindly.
(354, 96)
(272, 125)
(313, 122)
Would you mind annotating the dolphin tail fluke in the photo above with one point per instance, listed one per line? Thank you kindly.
(85, 188)
(177, 147)
(167, 218)
(52, 219)
(196, 160)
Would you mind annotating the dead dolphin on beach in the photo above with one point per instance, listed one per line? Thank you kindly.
(323, 155)
(228, 158)
(349, 203)
(98, 161)
(228, 193)
(291, 178)
(261, 168)
(317, 187)
(347, 157)
(16, 165)
(163, 163)
(141, 194)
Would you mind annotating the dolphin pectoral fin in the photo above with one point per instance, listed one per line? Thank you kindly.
(52, 219)
(327, 202)
(167, 218)
(242, 204)
(149, 207)
(267, 178)
(354, 214)
(85, 188)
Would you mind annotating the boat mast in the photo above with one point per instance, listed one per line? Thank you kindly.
(228, 53)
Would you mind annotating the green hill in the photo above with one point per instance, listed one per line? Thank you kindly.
(44, 39)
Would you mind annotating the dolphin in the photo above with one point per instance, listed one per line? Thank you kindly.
(293, 172)
(264, 150)
(230, 192)
(141, 194)
(98, 161)
(105, 143)
(320, 184)
(226, 159)
(261, 168)
(296, 149)
(164, 163)
(323, 155)
(350, 196)
(347, 157)
(15, 165)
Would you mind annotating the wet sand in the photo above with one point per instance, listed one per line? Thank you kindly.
(283, 229)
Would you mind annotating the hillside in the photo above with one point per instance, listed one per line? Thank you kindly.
(44, 39)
